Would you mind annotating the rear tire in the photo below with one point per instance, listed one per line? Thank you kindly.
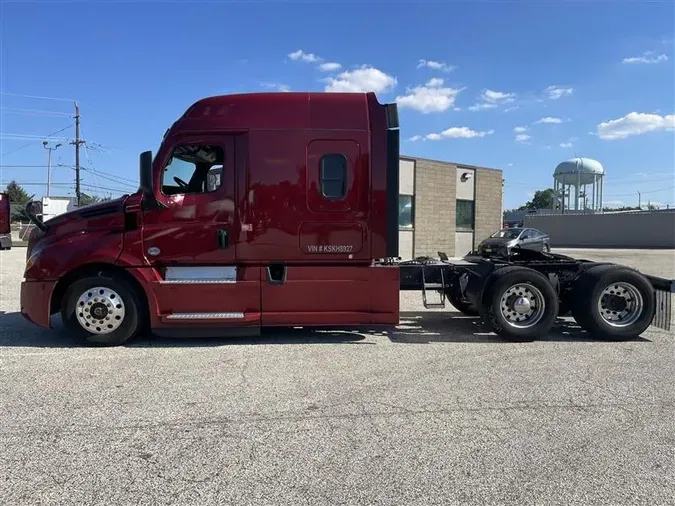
(613, 302)
(460, 305)
(101, 310)
(520, 304)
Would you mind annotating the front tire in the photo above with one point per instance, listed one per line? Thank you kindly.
(101, 310)
(613, 302)
(520, 304)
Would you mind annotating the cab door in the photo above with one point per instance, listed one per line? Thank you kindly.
(190, 239)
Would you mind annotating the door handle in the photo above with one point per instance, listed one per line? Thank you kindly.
(223, 239)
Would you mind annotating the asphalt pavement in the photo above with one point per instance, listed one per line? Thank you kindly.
(438, 411)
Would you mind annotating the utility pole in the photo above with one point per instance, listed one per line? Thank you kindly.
(639, 201)
(77, 143)
(49, 149)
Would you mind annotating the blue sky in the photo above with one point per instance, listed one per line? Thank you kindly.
(466, 75)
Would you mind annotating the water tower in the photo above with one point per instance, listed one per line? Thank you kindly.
(577, 185)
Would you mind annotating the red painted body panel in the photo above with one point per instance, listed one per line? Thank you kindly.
(271, 205)
(4, 214)
(35, 297)
(56, 255)
(327, 295)
(242, 296)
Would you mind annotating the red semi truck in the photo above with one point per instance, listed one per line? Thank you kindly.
(5, 231)
(281, 209)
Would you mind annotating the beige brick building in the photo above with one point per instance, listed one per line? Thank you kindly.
(446, 206)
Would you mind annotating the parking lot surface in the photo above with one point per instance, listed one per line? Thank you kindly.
(438, 411)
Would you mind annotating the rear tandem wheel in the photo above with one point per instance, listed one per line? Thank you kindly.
(520, 304)
(613, 302)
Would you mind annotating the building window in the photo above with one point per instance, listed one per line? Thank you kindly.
(333, 176)
(406, 211)
(464, 216)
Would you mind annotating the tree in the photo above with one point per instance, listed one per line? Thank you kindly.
(86, 200)
(18, 199)
(542, 199)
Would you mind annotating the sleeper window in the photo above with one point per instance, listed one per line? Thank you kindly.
(333, 176)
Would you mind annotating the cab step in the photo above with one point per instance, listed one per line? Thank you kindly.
(438, 287)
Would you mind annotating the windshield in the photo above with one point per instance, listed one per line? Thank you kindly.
(507, 233)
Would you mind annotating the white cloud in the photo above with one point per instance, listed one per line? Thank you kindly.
(276, 86)
(415, 138)
(330, 66)
(647, 57)
(326, 66)
(556, 92)
(458, 133)
(300, 55)
(520, 129)
(634, 123)
(482, 106)
(431, 97)
(436, 65)
(565, 144)
(498, 96)
(522, 137)
(362, 79)
(549, 119)
(489, 99)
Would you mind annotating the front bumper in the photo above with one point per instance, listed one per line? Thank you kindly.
(36, 300)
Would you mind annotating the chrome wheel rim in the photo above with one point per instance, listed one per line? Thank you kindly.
(100, 310)
(620, 304)
(522, 305)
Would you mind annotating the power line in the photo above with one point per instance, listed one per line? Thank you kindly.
(34, 112)
(636, 191)
(108, 178)
(35, 96)
(70, 185)
(22, 166)
(30, 143)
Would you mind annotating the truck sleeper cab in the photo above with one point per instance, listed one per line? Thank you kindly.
(257, 210)
(281, 209)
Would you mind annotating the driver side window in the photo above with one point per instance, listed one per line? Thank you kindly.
(193, 168)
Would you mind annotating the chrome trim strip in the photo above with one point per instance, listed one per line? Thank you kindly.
(204, 316)
(198, 281)
(201, 272)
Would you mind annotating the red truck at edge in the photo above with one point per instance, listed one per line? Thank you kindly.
(5, 219)
(279, 210)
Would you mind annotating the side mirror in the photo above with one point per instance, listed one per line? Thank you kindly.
(145, 178)
(145, 173)
(33, 208)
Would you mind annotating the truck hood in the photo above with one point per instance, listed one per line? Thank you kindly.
(91, 211)
(107, 215)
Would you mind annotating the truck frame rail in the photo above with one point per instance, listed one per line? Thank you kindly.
(467, 282)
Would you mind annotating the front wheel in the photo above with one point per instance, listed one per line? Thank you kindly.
(101, 310)
(520, 304)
